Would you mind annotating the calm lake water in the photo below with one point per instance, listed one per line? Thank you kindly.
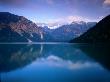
(54, 63)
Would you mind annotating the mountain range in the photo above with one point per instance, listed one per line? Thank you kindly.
(67, 32)
(70, 31)
(14, 28)
(100, 33)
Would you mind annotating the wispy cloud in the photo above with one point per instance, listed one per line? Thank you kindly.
(65, 20)
(50, 2)
(77, 18)
(22, 2)
(69, 19)
(107, 2)
(13, 2)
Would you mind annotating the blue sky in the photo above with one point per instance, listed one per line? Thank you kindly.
(46, 11)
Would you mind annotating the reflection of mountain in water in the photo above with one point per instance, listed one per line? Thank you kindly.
(100, 53)
(15, 56)
(65, 52)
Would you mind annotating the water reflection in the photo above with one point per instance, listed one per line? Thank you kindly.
(15, 56)
(54, 62)
(99, 52)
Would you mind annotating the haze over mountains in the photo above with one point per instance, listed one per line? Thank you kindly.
(15, 28)
(73, 30)
(66, 32)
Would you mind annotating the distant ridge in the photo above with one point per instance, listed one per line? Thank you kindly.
(70, 31)
(100, 33)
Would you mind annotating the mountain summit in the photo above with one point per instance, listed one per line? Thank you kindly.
(75, 29)
(14, 28)
(100, 33)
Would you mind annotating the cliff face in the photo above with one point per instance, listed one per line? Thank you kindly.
(67, 32)
(100, 33)
(15, 28)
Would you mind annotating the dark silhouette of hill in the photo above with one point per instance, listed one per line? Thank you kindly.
(100, 33)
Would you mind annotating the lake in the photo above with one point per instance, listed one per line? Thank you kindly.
(54, 62)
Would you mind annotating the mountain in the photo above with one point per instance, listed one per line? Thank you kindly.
(67, 32)
(100, 33)
(15, 28)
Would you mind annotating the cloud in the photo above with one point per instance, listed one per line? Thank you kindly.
(13, 2)
(68, 19)
(55, 61)
(106, 5)
(55, 23)
(77, 18)
(50, 2)
(107, 2)
(21, 3)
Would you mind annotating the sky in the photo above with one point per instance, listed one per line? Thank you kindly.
(57, 11)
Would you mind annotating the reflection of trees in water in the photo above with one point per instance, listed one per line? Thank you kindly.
(99, 52)
(13, 56)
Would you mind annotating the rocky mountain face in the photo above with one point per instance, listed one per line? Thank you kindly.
(15, 28)
(67, 32)
(100, 33)
(8, 35)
